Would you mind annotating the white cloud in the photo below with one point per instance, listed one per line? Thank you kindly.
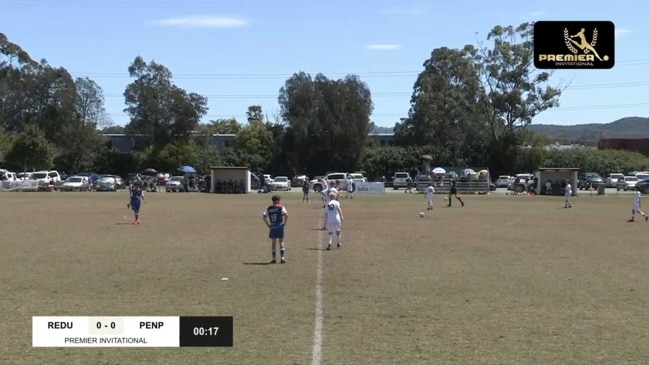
(383, 47)
(621, 31)
(202, 22)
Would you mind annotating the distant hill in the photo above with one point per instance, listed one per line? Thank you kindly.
(631, 127)
(382, 130)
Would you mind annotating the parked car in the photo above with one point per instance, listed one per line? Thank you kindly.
(92, 176)
(74, 183)
(341, 177)
(611, 180)
(627, 183)
(298, 180)
(421, 182)
(503, 181)
(255, 182)
(399, 180)
(25, 176)
(643, 186)
(175, 184)
(106, 183)
(162, 178)
(357, 177)
(589, 180)
(281, 183)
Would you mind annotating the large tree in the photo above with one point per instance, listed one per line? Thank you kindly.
(327, 122)
(513, 91)
(256, 138)
(158, 108)
(443, 105)
(479, 96)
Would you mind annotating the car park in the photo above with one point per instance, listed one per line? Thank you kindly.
(627, 183)
(503, 181)
(74, 183)
(611, 180)
(175, 184)
(399, 180)
(282, 183)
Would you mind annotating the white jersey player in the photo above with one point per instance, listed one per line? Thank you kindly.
(568, 194)
(430, 193)
(334, 220)
(326, 193)
(637, 206)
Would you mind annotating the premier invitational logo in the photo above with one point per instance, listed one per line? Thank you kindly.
(574, 45)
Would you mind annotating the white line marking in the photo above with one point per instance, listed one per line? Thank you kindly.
(316, 358)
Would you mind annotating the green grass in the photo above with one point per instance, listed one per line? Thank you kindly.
(505, 280)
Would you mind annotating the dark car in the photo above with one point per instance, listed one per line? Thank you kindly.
(589, 180)
(643, 186)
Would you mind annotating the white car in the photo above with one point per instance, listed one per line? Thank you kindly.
(612, 179)
(503, 181)
(628, 183)
(74, 183)
(174, 184)
(282, 183)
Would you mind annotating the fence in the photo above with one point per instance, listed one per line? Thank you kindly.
(467, 181)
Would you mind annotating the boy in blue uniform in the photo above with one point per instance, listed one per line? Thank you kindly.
(275, 218)
(137, 196)
(305, 190)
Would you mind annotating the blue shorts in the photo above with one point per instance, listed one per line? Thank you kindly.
(135, 204)
(276, 232)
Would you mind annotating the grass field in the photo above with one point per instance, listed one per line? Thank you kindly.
(505, 280)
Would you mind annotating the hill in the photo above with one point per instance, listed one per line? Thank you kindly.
(589, 134)
(631, 127)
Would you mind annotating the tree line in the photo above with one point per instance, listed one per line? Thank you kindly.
(469, 107)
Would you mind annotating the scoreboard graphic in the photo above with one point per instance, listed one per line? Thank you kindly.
(132, 331)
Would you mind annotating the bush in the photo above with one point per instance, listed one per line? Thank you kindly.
(600, 161)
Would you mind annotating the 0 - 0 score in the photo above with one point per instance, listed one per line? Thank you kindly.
(202, 331)
(112, 325)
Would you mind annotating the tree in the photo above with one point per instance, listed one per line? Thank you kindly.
(443, 104)
(224, 126)
(256, 138)
(158, 108)
(512, 91)
(327, 122)
(31, 150)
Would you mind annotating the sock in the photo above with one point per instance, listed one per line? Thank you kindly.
(137, 217)
(274, 254)
(331, 237)
(282, 252)
(340, 238)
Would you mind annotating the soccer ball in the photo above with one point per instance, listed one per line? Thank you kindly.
(421, 214)
(445, 198)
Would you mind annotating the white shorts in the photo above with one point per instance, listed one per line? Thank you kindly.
(636, 207)
(334, 226)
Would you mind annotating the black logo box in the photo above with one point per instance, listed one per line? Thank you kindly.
(549, 39)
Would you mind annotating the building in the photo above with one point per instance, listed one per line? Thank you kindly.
(629, 144)
(383, 139)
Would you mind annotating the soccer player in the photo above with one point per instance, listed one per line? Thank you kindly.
(334, 220)
(327, 198)
(453, 193)
(275, 217)
(305, 190)
(350, 189)
(137, 197)
(637, 206)
(430, 192)
(568, 194)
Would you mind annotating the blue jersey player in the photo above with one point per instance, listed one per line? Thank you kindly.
(137, 197)
(275, 217)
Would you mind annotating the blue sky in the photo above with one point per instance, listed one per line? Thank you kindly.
(240, 52)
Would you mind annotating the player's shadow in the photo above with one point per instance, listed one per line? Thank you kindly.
(257, 263)
(123, 224)
(316, 249)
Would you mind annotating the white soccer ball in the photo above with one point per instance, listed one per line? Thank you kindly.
(445, 198)
(421, 214)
